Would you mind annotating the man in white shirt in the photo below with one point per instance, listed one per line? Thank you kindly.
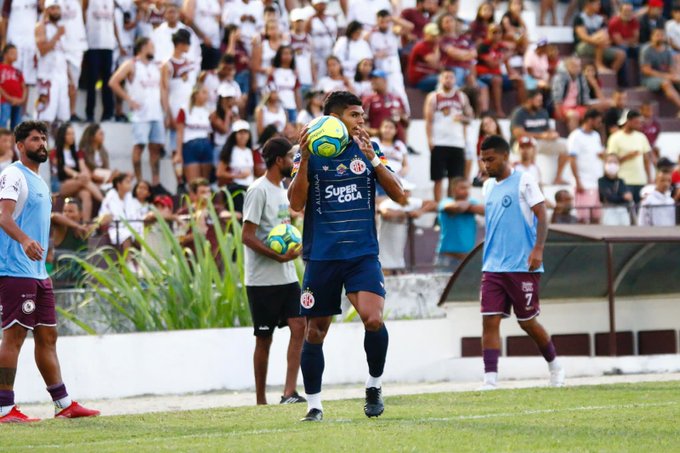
(586, 151)
(75, 42)
(248, 15)
(162, 37)
(658, 208)
(365, 11)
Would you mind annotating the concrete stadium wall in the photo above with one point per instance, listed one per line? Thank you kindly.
(126, 365)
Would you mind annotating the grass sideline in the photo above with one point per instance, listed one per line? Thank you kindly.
(624, 417)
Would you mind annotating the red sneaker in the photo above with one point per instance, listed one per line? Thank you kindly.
(75, 410)
(16, 416)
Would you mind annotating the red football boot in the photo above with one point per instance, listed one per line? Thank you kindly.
(75, 410)
(16, 416)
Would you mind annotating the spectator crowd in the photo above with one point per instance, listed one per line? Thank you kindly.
(207, 82)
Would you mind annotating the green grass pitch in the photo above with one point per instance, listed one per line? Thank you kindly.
(626, 417)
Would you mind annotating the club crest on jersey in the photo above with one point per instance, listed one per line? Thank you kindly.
(341, 169)
(28, 306)
(307, 299)
(357, 166)
(528, 287)
(325, 168)
(507, 201)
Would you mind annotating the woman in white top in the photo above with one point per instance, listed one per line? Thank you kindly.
(225, 113)
(352, 48)
(236, 169)
(362, 78)
(96, 156)
(270, 111)
(286, 81)
(114, 211)
(394, 149)
(336, 80)
(138, 205)
(264, 51)
(194, 149)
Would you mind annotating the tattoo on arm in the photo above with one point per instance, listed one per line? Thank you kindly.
(7, 376)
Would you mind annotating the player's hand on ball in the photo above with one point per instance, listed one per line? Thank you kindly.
(535, 259)
(292, 253)
(33, 249)
(304, 144)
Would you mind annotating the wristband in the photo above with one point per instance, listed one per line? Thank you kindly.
(375, 161)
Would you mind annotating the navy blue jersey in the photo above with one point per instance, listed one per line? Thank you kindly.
(340, 211)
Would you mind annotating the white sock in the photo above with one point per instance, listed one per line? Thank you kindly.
(62, 403)
(490, 378)
(314, 402)
(374, 382)
(4, 410)
(554, 365)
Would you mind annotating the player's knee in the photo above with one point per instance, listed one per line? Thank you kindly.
(45, 337)
(527, 326)
(14, 340)
(315, 335)
(373, 323)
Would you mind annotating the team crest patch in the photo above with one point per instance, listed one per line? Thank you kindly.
(325, 167)
(507, 201)
(528, 287)
(357, 166)
(341, 169)
(28, 306)
(307, 299)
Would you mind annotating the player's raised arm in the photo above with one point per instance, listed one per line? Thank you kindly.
(299, 187)
(386, 178)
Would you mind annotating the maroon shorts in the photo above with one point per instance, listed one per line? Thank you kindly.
(27, 301)
(503, 290)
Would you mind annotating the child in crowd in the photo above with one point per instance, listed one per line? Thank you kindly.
(394, 225)
(114, 211)
(527, 163)
(658, 208)
(564, 204)
(651, 128)
(13, 90)
(458, 226)
(7, 155)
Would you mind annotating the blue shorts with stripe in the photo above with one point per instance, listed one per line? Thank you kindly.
(323, 282)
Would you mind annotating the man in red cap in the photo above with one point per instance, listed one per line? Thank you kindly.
(653, 19)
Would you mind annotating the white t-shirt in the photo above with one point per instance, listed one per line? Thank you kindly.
(657, 209)
(392, 235)
(365, 11)
(207, 19)
(351, 53)
(532, 169)
(232, 13)
(99, 25)
(242, 159)
(529, 194)
(266, 206)
(136, 210)
(163, 48)
(394, 153)
(286, 83)
(673, 32)
(328, 85)
(586, 147)
(119, 209)
(196, 123)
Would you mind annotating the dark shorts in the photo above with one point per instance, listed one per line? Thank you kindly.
(27, 301)
(323, 282)
(447, 161)
(197, 151)
(487, 79)
(271, 306)
(503, 291)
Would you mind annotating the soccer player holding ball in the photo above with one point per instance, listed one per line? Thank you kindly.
(26, 296)
(340, 246)
(271, 281)
(516, 231)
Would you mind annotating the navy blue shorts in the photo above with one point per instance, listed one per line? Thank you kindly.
(323, 282)
(197, 151)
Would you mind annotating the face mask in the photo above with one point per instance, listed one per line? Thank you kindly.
(611, 169)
